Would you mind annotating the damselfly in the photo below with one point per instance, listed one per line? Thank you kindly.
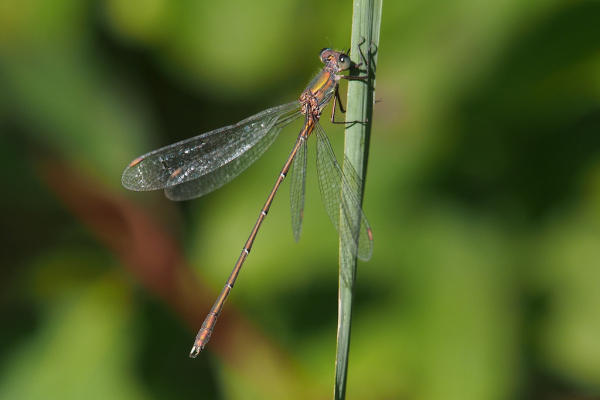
(197, 166)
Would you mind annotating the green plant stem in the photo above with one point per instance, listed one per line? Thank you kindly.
(365, 29)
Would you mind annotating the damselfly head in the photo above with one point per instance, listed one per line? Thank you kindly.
(335, 58)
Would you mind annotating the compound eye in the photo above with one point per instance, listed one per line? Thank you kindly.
(324, 55)
(344, 62)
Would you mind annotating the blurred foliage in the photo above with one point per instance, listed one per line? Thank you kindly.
(483, 191)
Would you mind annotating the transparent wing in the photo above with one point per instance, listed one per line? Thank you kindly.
(201, 155)
(340, 194)
(219, 177)
(297, 184)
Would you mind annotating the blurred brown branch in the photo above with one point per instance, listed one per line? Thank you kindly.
(154, 258)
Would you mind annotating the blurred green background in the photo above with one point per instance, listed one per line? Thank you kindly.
(483, 192)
